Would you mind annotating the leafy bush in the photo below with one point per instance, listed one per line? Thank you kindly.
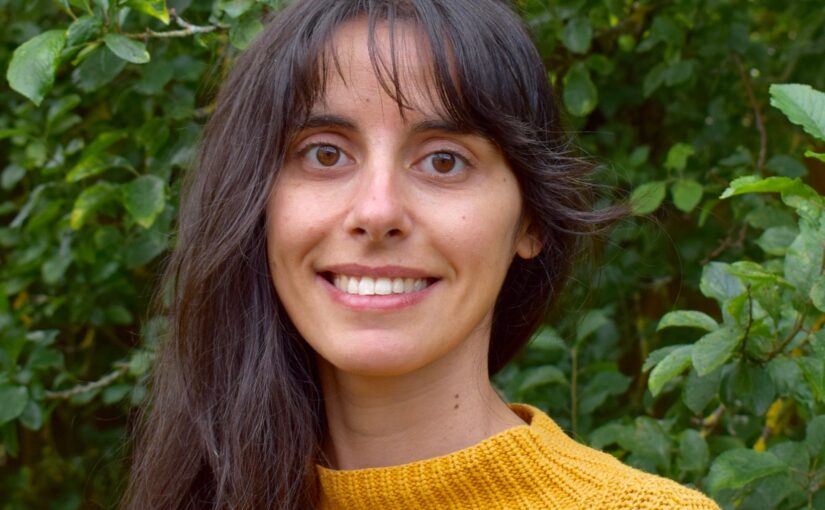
(695, 352)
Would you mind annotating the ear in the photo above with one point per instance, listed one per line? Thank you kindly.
(529, 243)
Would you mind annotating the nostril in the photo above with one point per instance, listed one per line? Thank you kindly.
(394, 232)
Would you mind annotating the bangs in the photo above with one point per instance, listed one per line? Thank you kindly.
(470, 76)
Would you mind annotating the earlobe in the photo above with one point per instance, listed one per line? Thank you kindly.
(529, 245)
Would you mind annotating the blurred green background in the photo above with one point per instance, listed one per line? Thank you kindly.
(694, 351)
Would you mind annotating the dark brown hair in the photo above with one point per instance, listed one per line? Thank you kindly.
(236, 415)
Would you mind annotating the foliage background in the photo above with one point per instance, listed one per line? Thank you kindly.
(670, 99)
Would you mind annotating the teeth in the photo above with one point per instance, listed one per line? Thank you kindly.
(367, 286)
(397, 285)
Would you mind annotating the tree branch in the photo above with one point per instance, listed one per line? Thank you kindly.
(83, 388)
(187, 29)
(728, 242)
(757, 112)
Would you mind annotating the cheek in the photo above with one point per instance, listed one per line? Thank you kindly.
(293, 226)
(482, 230)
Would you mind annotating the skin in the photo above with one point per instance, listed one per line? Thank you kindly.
(362, 186)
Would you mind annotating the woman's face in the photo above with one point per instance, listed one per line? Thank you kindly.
(389, 238)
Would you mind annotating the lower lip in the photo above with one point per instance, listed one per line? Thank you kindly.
(387, 303)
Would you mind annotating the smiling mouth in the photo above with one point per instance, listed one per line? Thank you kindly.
(382, 286)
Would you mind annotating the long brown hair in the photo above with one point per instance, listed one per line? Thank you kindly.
(235, 419)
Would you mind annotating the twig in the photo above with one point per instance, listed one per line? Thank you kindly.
(757, 112)
(800, 320)
(187, 29)
(709, 423)
(728, 242)
(750, 323)
(83, 388)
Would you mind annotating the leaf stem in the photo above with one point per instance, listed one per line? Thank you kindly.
(757, 112)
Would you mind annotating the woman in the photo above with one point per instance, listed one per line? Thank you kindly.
(383, 208)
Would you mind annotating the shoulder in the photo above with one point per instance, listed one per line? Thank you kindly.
(599, 479)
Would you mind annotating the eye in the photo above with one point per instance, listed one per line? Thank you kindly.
(444, 163)
(324, 155)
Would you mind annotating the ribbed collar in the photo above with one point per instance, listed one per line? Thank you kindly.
(511, 461)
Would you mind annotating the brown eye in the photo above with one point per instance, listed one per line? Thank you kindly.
(443, 162)
(327, 155)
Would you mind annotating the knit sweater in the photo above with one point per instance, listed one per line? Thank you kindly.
(531, 466)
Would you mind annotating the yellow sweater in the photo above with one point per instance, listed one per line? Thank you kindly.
(531, 466)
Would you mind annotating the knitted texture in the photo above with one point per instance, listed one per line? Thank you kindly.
(532, 466)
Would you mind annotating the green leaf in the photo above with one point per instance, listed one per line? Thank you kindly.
(145, 247)
(817, 293)
(736, 468)
(127, 49)
(717, 282)
(547, 339)
(687, 319)
(693, 451)
(96, 164)
(34, 63)
(687, 194)
(32, 416)
(98, 69)
(144, 198)
(663, 30)
(656, 356)
(803, 262)
(639, 156)
(88, 202)
(783, 185)
(714, 349)
(13, 401)
(751, 272)
(11, 175)
(753, 386)
(815, 155)
(815, 435)
(679, 72)
(589, 323)
(540, 376)
(115, 393)
(244, 31)
(235, 8)
(140, 363)
(603, 385)
(580, 94)
(647, 198)
(786, 166)
(674, 364)
(813, 369)
(577, 34)
(803, 105)
(82, 30)
(700, 390)
(654, 79)
(678, 155)
(775, 240)
(155, 8)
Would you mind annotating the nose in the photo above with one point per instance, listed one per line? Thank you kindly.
(378, 211)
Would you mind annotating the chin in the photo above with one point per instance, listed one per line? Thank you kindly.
(376, 357)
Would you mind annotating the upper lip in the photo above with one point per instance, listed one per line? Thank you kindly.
(388, 271)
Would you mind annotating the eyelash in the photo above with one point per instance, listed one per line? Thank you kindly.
(464, 160)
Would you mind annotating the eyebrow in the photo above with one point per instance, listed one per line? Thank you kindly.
(315, 121)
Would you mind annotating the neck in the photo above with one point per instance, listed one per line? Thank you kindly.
(386, 421)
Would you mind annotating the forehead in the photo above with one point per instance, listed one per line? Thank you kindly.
(391, 65)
